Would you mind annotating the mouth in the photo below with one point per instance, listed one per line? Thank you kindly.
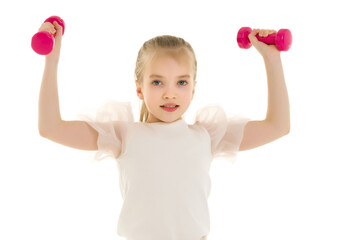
(169, 108)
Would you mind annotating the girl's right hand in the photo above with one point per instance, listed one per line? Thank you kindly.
(53, 28)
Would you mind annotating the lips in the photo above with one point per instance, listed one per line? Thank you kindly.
(169, 109)
(169, 105)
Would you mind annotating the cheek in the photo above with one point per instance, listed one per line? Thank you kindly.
(152, 92)
(186, 95)
(151, 96)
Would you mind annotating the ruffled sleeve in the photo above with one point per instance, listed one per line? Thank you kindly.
(226, 133)
(111, 121)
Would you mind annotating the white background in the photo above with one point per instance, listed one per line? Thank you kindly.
(303, 186)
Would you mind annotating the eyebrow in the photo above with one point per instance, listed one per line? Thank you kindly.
(159, 76)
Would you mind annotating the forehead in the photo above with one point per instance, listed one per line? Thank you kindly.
(170, 61)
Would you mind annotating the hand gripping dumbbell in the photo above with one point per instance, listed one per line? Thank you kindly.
(43, 42)
(282, 39)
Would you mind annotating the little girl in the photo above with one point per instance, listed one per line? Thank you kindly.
(163, 161)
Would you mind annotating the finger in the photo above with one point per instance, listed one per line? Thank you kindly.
(47, 26)
(266, 32)
(59, 29)
(271, 31)
(57, 26)
(254, 32)
(262, 33)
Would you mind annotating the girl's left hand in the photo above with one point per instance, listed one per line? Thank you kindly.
(264, 49)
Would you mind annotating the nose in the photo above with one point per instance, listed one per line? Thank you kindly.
(170, 92)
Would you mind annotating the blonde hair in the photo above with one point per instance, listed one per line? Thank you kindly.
(148, 51)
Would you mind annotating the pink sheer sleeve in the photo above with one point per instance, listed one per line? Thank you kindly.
(226, 133)
(111, 121)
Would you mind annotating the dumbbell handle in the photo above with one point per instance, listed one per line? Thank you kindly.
(270, 39)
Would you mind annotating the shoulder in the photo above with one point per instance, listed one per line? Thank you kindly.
(111, 111)
(210, 113)
(212, 119)
(198, 128)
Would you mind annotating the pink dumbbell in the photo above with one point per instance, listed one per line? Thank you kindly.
(43, 41)
(282, 39)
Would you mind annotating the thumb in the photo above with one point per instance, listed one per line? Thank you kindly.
(252, 37)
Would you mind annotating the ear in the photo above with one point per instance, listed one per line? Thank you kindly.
(139, 91)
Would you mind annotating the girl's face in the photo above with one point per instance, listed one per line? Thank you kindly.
(168, 79)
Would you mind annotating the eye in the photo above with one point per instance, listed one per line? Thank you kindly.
(184, 82)
(155, 81)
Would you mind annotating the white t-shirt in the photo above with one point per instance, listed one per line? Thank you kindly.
(164, 168)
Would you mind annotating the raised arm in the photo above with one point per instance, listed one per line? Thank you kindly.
(277, 121)
(76, 134)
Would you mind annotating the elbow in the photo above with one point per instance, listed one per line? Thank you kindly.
(46, 130)
(41, 132)
(41, 128)
(285, 128)
(286, 131)
(283, 131)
